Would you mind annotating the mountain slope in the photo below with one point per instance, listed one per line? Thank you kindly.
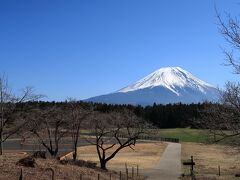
(166, 85)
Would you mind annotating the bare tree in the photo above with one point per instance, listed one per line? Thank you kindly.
(11, 107)
(78, 112)
(49, 126)
(115, 131)
(229, 27)
(223, 119)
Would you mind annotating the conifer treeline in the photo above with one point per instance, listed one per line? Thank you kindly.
(162, 116)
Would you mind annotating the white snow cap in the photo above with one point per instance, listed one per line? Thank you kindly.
(170, 78)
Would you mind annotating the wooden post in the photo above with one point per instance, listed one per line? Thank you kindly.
(120, 175)
(219, 171)
(53, 173)
(98, 176)
(137, 171)
(191, 165)
(110, 176)
(81, 177)
(132, 172)
(126, 170)
(21, 175)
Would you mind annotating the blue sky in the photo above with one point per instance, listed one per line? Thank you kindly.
(84, 48)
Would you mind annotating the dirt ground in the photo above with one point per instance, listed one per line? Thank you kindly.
(10, 171)
(144, 155)
(209, 157)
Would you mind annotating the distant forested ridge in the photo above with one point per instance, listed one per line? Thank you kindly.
(161, 116)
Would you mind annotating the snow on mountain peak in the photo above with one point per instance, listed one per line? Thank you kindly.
(164, 86)
(171, 78)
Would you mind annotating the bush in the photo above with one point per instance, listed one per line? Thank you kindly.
(27, 162)
(39, 154)
(80, 163)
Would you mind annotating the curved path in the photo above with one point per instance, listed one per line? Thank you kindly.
(169, 166)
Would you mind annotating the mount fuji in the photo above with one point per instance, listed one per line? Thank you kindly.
(166, 85)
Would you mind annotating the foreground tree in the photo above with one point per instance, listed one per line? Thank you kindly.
(115, 131)
(11, 110)
(223, 119)
(229, 27)
(48, 124)
(78, 113)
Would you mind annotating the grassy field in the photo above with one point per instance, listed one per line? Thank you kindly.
(194, 135)
(184, 134)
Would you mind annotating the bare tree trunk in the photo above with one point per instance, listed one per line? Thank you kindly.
(56, 147)
(1, 147)
(103, 164)
(76, 144)
(1, 125)
(75, 152)
(1, 141)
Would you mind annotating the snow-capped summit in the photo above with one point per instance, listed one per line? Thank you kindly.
(170, 78)
(166, 85)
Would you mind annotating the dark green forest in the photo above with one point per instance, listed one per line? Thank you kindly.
(161, 116)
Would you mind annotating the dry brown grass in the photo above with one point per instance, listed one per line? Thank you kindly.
(11, 171)
(209, 157)
(145, 155)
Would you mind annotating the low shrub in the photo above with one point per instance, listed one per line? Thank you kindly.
(81, 163)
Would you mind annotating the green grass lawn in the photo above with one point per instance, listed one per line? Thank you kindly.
(194, 135)
(185, 134)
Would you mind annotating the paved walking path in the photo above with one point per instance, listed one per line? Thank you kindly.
(169, 166)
